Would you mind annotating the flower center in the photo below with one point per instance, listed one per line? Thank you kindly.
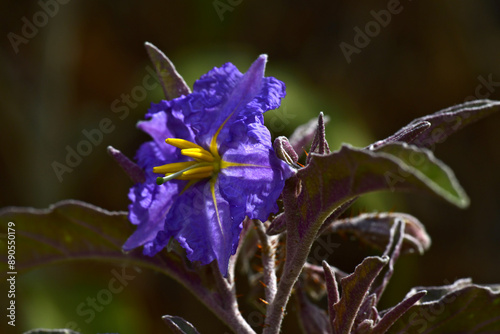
(204, 165)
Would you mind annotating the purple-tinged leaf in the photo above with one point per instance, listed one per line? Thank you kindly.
(133, 171)
(172, 83)
(331, 180)
(285, 151)
(312, 319)
(443, 123)
(406, 135)
(438, 177)
(74, 230)
(179, 325)
(277, 226)
(367, 311)
(304, 134)
(374, 229)
(392, 315)
(461, 307)
(319, 144)
(365, 327)
(392, 251)
(339, 274)
(355, 288)
(368, 308)
(332, 289)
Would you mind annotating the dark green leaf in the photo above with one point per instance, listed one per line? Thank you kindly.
(173, 84)
(179, 325)
(462, 307)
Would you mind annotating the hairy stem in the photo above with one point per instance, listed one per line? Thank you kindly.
(297, 250)
(228, 304)
(268, 248)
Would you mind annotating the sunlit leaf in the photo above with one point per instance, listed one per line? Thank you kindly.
(331, 180)
(422, 163)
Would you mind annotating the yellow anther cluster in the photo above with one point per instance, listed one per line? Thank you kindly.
(203, 166)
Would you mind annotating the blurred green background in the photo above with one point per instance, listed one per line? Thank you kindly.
(68, 72)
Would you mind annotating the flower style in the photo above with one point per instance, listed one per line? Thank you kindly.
(218, 164)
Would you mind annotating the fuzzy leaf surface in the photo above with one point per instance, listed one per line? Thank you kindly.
(374, 229)
(462, 307)
(74, 230)
(331, 180)
(435, 128)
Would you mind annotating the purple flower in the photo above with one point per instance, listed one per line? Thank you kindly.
(218, 164)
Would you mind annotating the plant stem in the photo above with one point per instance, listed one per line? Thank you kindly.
(268, 247)
(297, 250)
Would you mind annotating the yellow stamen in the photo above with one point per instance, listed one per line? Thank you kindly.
(198, 176)
(182, 143)
(172, 168)
(199, 170)
(198, 153)
(225, 164)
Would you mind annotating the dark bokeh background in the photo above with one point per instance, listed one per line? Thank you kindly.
(66, 76)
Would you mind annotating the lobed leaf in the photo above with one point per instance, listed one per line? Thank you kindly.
(355, 288)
